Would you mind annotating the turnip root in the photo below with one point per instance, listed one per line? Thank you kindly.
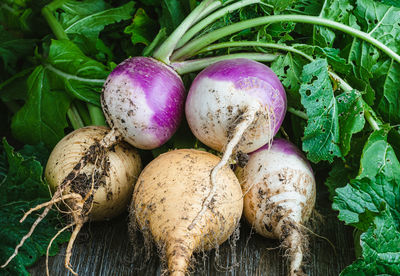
(100, 191)
(279, 188)
(169, 194)
(229, 92)
(236, 104)
(142, 100)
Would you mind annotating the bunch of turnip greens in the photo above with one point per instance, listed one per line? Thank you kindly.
(337, 59)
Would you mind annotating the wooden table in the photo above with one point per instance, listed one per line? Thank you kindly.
(104, 249)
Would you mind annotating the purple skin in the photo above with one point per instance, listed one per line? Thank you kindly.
(143, 98)
(283, 145)
(249, 75)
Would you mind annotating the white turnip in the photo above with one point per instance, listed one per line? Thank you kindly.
(169, 194)
(235, 105)
(279, 188)
(99, 191)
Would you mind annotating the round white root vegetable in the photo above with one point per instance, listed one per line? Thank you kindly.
(279, 188)
(169, 194)
(235, 105)
(99, 191)
(232, 96)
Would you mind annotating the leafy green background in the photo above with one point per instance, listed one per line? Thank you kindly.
(347, 126)
(22, 188)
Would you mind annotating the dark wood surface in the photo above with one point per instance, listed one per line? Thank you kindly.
(104, 249)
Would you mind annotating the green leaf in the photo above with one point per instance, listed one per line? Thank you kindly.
(337, 10)
(381, 249)
(15, 14)
(280, 5)
(321, 137)
(380, 21)
(43, 117)
(173, 13)
(23, 188)
(362, 195)
(390, 2)
(288, 68)
(15, 87)
(378, 157)
(362, 58)
(83, 77)
(12, 49)
(351, 117)
(338, 177)
(389, 104)
(90, 23)
(142, 29)
(383, 23)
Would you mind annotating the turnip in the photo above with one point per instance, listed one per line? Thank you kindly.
(143, 99)
(169, 194)
(279, 188)
(235, 105)
(100, 191)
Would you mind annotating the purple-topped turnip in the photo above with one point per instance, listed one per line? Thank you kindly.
(143, 99)
(279, 188)
(228, 93)
(235, 105)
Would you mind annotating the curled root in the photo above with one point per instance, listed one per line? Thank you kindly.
(51, 202)
(74, 234)
(294, 242)
(51, 242)
(246, 120)
(56, 198)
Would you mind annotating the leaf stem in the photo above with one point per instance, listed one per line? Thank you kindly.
(298, 113)
(54, 5)
(254, 44)
(211, 18)
(371, 120)
(165, 50)
(188, 66)
(209, 9)
(201, 42)
(96, 115)
(74, 117)
(55, 26)
(83, 112)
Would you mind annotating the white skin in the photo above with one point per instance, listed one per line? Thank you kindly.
(212, 114)
(279, 193)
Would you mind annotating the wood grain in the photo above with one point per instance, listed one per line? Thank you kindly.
(104, 249)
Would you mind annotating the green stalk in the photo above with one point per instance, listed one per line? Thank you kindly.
(184, 67)
(162, 34)
(54, 5)
(205, 40)
(298, 113)
(209, 9)
(164, 52)
(370, 119)
(74, 118)
(211, 18)
(55, 26)
(83, 112)
(254, 44)
(96, 115)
